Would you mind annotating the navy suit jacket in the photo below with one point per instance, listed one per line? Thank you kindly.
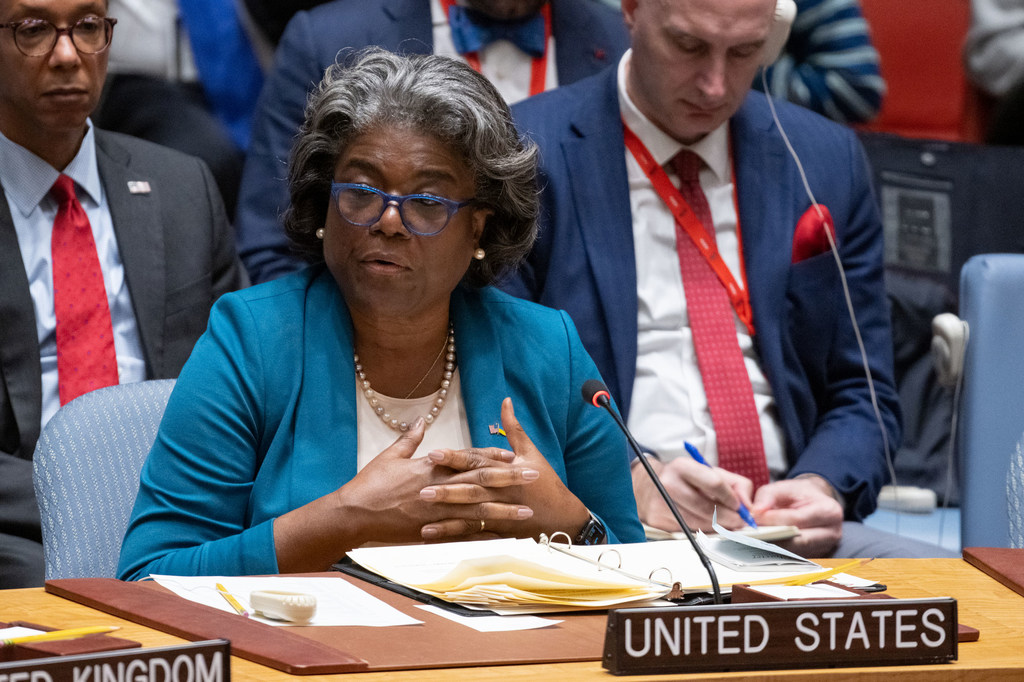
(584, 263)
(588, 37)
(179, 257)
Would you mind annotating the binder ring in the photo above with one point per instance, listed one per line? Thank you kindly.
(600, 558)
(547, 540)
(650, 576)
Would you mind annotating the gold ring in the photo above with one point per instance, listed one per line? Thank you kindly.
(482, 524)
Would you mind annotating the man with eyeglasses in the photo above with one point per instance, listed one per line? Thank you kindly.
(522, 46)
(112, 250)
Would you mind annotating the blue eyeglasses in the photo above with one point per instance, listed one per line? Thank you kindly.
(422, 214)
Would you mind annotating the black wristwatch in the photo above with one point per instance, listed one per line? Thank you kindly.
(592, 533)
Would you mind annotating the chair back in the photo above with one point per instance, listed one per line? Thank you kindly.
(928, 94)
(941, 203)
(86, 475)
(991, 427)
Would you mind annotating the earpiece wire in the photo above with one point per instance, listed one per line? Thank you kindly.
(846, 292)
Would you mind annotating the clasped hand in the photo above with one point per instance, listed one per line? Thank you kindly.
(476, 492)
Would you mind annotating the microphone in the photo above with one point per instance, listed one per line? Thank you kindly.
(596, 393)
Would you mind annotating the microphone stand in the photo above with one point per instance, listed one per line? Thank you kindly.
(600, 399)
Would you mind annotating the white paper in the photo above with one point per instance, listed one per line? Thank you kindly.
(766, 533)
(848, 580)
(493, 623)
(505, 573)
(338, 602)
(18, 631)
(814, 591)
(745, 553)
(429, 563)
(664, 562)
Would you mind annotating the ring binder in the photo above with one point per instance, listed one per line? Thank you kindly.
(512, 575)
(673, 587)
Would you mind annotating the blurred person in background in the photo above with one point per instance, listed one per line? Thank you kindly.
(994, 57)
(522, 46)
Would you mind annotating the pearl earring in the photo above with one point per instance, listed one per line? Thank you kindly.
(479, 254)
(320, 233)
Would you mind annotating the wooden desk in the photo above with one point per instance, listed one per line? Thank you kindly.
(983, 603)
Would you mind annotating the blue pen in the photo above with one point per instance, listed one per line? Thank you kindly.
(742, 511)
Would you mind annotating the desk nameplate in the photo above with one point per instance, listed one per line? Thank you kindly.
(209, 661)
(767, 636)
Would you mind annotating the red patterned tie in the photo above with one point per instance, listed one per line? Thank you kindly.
(726, 382)
(85, 339)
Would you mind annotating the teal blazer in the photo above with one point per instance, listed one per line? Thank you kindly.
(262, 420)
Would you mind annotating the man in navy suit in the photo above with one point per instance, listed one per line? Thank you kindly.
(607, 254)
(573, 39)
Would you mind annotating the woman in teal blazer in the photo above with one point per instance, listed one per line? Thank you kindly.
(261, 462)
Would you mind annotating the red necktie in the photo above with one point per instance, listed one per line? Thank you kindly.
(85, 339)
(722, 369)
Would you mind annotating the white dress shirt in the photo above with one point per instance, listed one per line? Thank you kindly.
(26, 181)
(504, 64)
(450, 429)
(669, 405)
(150, 40)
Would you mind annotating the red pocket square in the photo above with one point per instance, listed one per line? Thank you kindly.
(810, 239)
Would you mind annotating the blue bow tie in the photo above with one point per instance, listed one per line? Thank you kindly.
(473, 31)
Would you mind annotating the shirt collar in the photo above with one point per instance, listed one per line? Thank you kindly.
(713, 148)
(437, 15)
(26, 178)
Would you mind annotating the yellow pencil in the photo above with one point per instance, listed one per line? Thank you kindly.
(230, 599)
(70, 633)
(822, 575)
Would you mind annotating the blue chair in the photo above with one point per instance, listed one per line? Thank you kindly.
(86, 475)
(991, 438)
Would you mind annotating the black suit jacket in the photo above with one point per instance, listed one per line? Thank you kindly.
(179, 256)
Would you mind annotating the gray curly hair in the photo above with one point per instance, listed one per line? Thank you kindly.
(437, 96)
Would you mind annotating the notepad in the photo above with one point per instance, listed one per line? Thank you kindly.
(766, 533)
(744, 553)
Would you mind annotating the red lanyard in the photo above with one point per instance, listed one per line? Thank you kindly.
(684, 215)
(538, 65)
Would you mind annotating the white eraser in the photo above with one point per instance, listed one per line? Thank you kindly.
(294, 607)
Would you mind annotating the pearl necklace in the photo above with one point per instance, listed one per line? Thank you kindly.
(442, 394)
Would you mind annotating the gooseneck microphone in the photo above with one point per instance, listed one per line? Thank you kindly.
(596, 393)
